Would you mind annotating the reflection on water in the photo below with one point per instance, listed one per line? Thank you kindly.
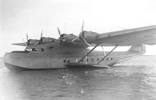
(116, 83)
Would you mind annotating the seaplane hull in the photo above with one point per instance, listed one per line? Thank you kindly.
(50, 61)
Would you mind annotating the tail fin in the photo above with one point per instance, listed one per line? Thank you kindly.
(138, 48)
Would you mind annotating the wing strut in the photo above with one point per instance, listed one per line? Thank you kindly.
(107, 54)
(87, 53)
(103, 50)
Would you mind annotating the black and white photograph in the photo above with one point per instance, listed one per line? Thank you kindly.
(77, 49)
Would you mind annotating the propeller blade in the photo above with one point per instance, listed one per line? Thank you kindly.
(82, 26)
(80, 35)
(27, 36)
(41, 33)
(27, 43)
(81, 30)
(40, 41)
(60, 38)
(59, 31)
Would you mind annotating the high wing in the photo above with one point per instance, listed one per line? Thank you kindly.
(143, 35)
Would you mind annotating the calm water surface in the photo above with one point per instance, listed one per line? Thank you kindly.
(130, 82)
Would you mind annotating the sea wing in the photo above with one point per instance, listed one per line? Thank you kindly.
(19, 44)
(143, 35)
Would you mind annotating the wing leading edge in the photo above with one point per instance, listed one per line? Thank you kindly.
(143, 35)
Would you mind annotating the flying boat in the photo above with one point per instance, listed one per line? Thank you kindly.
(71, 51)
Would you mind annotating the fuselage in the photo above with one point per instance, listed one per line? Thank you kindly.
(49, 56)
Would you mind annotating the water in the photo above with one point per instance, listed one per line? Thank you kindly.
(135, 81)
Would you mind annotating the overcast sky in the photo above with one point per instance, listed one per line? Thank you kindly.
(31, 16)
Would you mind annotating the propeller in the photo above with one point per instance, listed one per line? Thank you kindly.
(41, 39)
(27, 36)
(61, 35)
(59, 32)
(30, 42)
(27, 43)
(81, 35)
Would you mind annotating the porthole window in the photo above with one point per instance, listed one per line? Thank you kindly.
(34, 49)
(107, 59)
(42, 49)
(64, 61)
(51, 47)
(97, 59)
(92, 59)
(87, 60)
(68, 61)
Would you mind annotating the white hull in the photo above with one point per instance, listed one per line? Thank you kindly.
(30, 62)
(49, 61)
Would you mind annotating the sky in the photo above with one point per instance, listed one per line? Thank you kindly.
(18, 17)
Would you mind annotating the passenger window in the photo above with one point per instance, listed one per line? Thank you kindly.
(64, 61)
(68, 61)
(51, 47)
(97, 59)
(107, 59)
(92, 59)
(42, 49)
(87, 59)
(34, 49)
(111, 58)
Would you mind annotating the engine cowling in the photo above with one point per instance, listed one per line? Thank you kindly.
(89, 36)
(67, 37)
(47, 39)
(32, 41)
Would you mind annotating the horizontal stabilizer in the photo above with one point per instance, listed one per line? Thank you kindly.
(19, 44)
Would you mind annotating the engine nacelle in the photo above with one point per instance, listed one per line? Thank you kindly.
(32, 41)
(67, 37)
(89, 36)
(47, 40)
